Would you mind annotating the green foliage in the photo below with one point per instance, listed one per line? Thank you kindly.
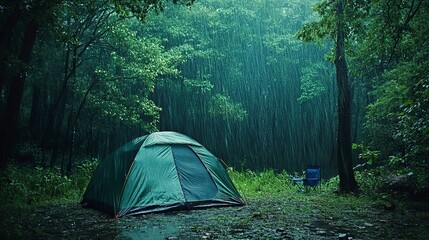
(202, 85)
(225, 107)
(381, 120)
(389, 52)
(83, 173)
(26, 188)
(141, 8)
(397, 122)
(372, 174)
(313, 81)
(369, 179)
(413, 119)
(254, 185)
(22, 186)
(127, 77)
(322, 28)
(270, 185)
(370, 156)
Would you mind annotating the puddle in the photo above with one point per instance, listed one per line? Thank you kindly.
(324, 228)
(171, 231)
(159, 226)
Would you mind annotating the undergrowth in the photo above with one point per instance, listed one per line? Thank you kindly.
(25, 188)
(252, 184)
(268, 185)
(26, 185)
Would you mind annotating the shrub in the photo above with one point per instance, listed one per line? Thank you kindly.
(252, 184)
(24, 185)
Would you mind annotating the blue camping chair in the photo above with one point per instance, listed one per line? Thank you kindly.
(312, 178)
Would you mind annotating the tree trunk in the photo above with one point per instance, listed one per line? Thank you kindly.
(15, 94)
(51, 138)
(73, 127)
(6, 39)
(52, 119)
(67, 140)
(344, 143)
(56, 140)
(34, 123)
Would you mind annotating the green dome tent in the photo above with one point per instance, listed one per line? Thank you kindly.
(159, 172)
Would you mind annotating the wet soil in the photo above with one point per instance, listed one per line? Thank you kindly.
(262, 218)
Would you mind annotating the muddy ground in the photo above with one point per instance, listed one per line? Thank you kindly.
(298, 217)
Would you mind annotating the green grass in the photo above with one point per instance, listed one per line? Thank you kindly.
(269, 186)
(330, 206)
(25, 189)
(253, 185)
(33, 186)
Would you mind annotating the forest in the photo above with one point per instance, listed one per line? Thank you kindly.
(267, 86)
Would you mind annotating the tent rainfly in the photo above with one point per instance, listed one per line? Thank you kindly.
(159, 172)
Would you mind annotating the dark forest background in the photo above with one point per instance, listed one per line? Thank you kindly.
(231, 74)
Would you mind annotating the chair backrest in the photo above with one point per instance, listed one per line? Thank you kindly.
(312, 174)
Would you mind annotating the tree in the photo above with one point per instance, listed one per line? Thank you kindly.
(393, 45)
(29, 15)
(333, 25)
(344, 143)
(242, 79)
(25, 18)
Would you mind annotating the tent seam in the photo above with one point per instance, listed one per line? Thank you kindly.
(123, 185)
(126, 177)
(205, 167)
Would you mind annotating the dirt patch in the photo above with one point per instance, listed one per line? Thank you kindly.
(288, 218)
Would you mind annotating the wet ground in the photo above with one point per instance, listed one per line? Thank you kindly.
(280, 218)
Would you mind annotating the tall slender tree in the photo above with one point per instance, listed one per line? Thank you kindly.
(332, 25)
(344, 142)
